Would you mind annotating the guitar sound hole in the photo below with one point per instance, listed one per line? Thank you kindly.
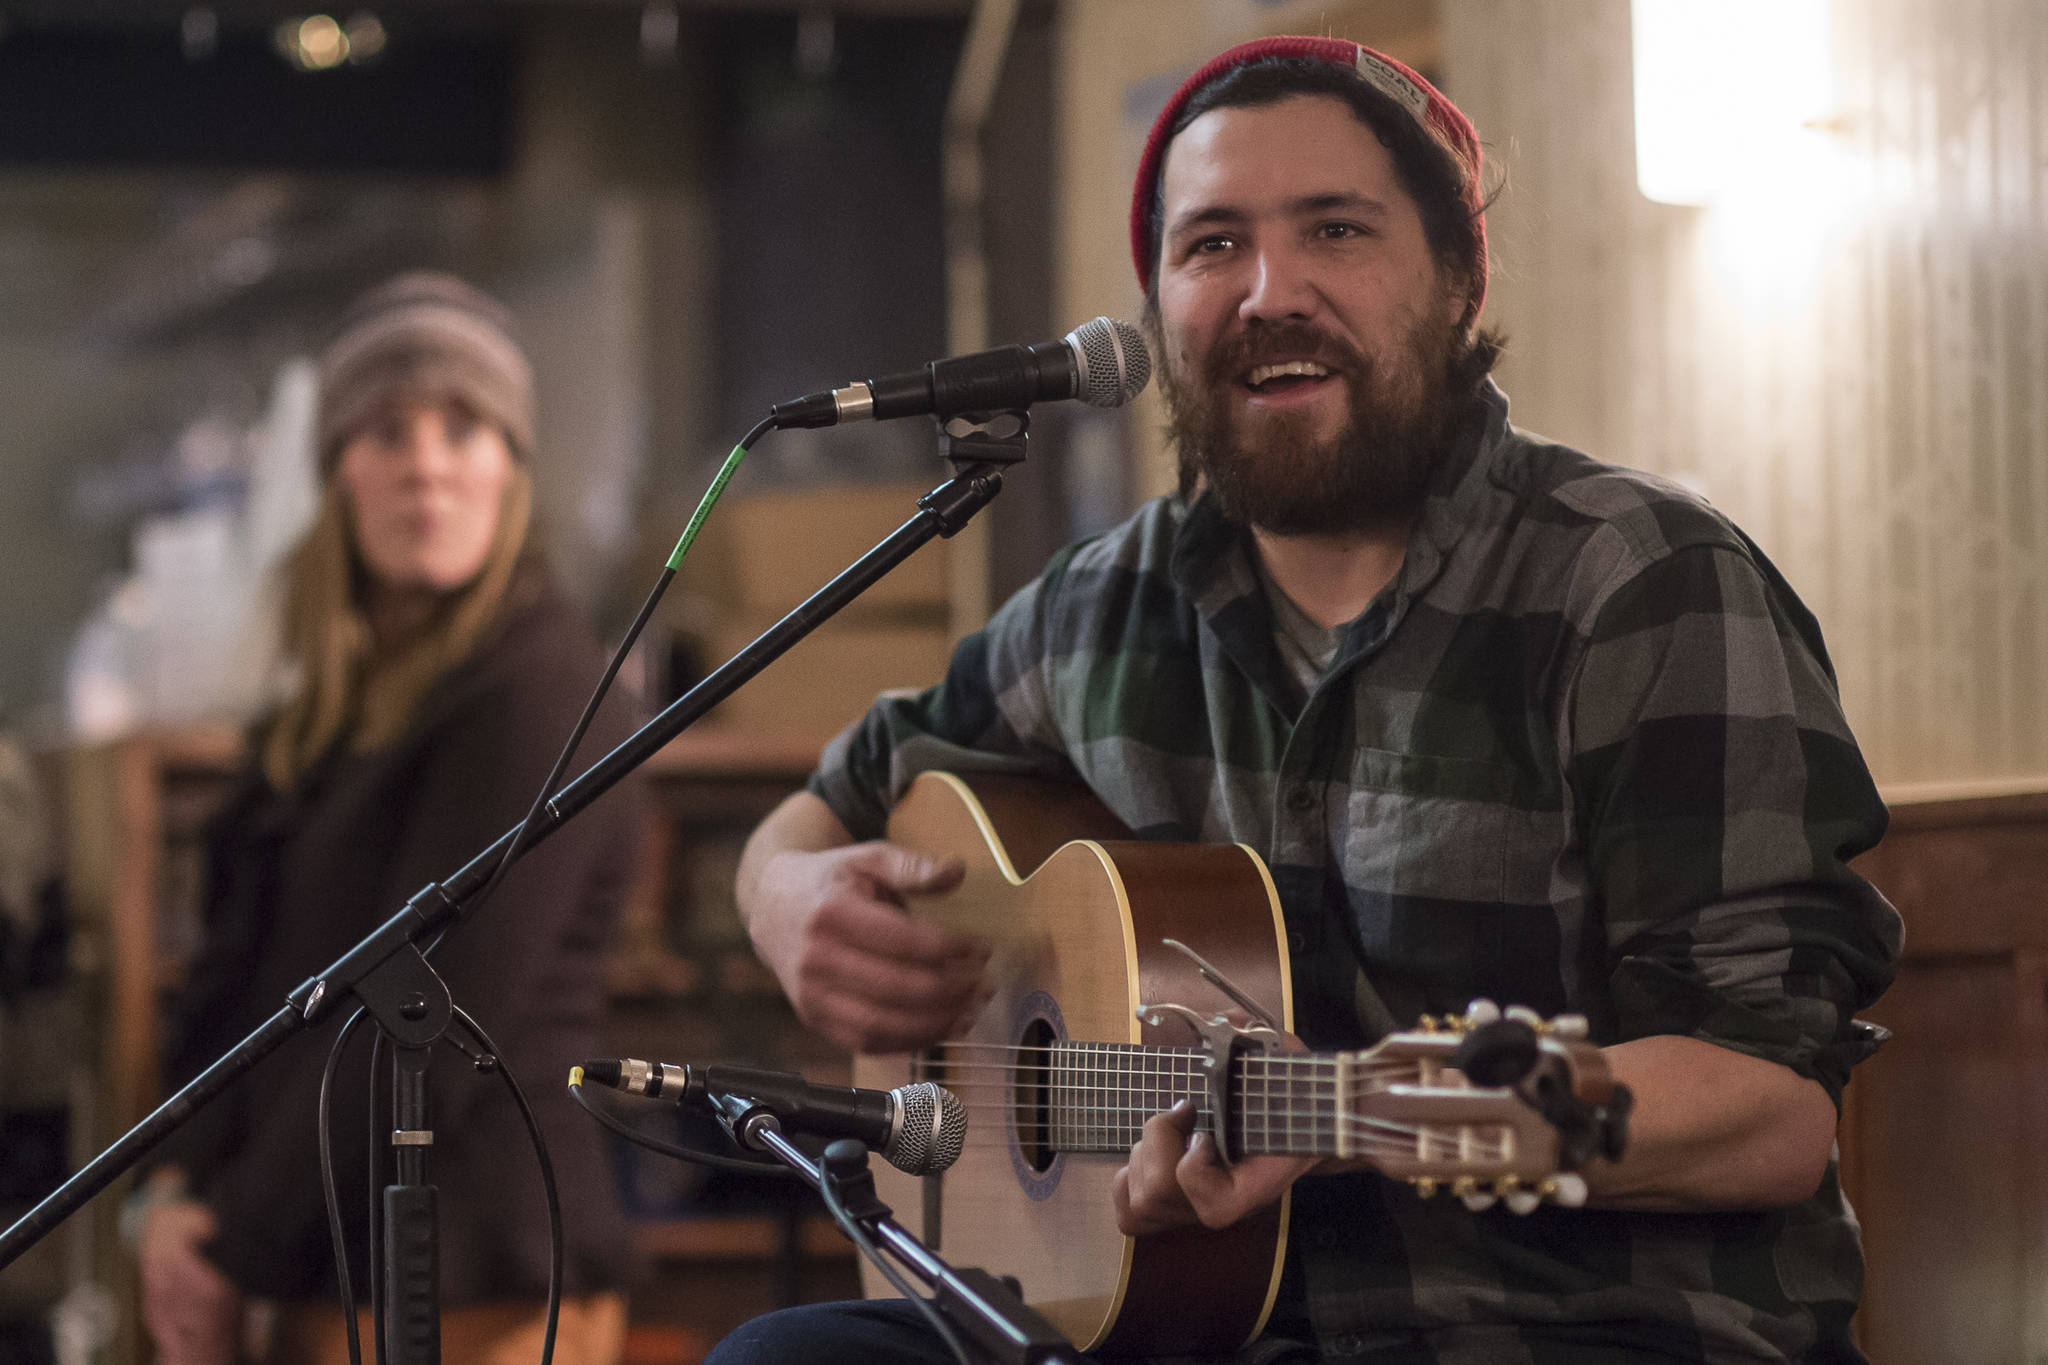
(1034, 1096)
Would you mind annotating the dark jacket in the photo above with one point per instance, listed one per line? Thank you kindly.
(294, 879)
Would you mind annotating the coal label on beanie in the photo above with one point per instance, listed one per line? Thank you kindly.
(1386, 78)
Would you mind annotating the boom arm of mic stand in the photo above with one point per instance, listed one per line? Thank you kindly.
(941, 512)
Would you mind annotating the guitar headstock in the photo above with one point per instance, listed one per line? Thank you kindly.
(1489, 1105)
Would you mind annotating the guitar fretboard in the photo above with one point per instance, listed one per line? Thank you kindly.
(1098, 1096)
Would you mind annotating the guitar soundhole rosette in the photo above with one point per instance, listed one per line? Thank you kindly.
(1037, 1028)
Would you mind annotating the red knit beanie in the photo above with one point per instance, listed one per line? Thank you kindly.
(1423, 102)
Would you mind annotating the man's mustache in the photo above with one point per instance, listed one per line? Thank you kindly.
(1232, 357)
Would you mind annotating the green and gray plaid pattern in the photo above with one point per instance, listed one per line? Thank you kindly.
(1584, 754)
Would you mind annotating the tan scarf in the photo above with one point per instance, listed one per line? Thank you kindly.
(346, 690)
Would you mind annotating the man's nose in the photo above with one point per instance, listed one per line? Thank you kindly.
(1280, 287)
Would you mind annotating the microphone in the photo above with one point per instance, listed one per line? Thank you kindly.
(1103, 363)
(919, 1128)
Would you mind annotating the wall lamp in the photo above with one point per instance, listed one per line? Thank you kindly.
(1728, 93)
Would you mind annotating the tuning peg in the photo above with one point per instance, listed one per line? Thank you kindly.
(1522, 1014)
(1569, 1026)
(1467, 1189)
(1501, 1053)
(1425, 1186)
(1427, 1023)
(1481, 1012)
(1567, 1190)
(1518, 1197)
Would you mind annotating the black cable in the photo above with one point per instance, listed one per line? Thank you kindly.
(828, 1190)
(504, 865)
(332, 1190)
(554, 777)
(547, 1179)
(854, 1232)
(762, 1166)
(379, 1143)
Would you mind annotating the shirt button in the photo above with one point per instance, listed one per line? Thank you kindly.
(1300, 800)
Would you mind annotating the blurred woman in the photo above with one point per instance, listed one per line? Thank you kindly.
(439, 674)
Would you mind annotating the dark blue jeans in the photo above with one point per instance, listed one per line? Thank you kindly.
(882, 1332)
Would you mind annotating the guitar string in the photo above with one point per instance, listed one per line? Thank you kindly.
(1087, 1118)
(1300, 1076)
(1120, 1063)
(1393, 1136)
(1078, 1075)
(1443, 1146)
(1133, 1119)
(1127, 1118)
(1120, 1052)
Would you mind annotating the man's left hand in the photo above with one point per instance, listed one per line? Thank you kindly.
(1172, 1181)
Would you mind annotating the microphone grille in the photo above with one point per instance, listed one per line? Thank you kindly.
(1114, 364)
(931, 1129)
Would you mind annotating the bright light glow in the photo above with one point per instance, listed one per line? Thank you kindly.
(318, 44)
(1729, 93)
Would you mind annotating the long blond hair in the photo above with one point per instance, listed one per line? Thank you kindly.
(347, 690)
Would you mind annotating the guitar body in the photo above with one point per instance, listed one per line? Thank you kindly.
(1075, 911)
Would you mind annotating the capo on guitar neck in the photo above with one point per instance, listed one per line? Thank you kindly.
(1221, 1041)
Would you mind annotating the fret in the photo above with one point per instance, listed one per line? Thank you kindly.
(1100, 1095)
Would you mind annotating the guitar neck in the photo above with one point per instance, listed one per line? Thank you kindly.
(1097, 1096)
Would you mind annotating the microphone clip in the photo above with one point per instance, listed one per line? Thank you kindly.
(744, 1118)
(985, 438)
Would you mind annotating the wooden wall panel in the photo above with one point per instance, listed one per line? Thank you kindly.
(1945, 1132)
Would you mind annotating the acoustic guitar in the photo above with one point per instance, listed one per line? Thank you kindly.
(1059, 1071)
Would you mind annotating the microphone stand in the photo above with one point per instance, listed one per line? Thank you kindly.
(986, 1308)
(388, 974)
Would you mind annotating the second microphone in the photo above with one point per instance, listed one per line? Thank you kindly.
(919, 1129)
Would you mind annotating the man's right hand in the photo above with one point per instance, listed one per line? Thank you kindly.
(831, 926)
(192, 1310)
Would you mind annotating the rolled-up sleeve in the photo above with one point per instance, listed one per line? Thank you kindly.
(1722, 796)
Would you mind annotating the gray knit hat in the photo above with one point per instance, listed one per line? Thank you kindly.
(424, 335)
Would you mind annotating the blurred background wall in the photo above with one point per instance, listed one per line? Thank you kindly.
(695, 208)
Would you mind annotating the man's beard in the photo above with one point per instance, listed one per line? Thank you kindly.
(1372, 475)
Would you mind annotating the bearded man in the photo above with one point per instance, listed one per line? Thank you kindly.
(1502, 720)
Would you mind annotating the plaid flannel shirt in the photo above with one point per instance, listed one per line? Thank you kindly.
(1584, 753)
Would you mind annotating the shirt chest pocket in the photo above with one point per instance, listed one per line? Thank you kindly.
(1425, 827)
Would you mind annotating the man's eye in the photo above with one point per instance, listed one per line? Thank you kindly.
(1340, 231)
(1210, 245)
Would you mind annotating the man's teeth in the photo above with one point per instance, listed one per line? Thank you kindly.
(1308, 369)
